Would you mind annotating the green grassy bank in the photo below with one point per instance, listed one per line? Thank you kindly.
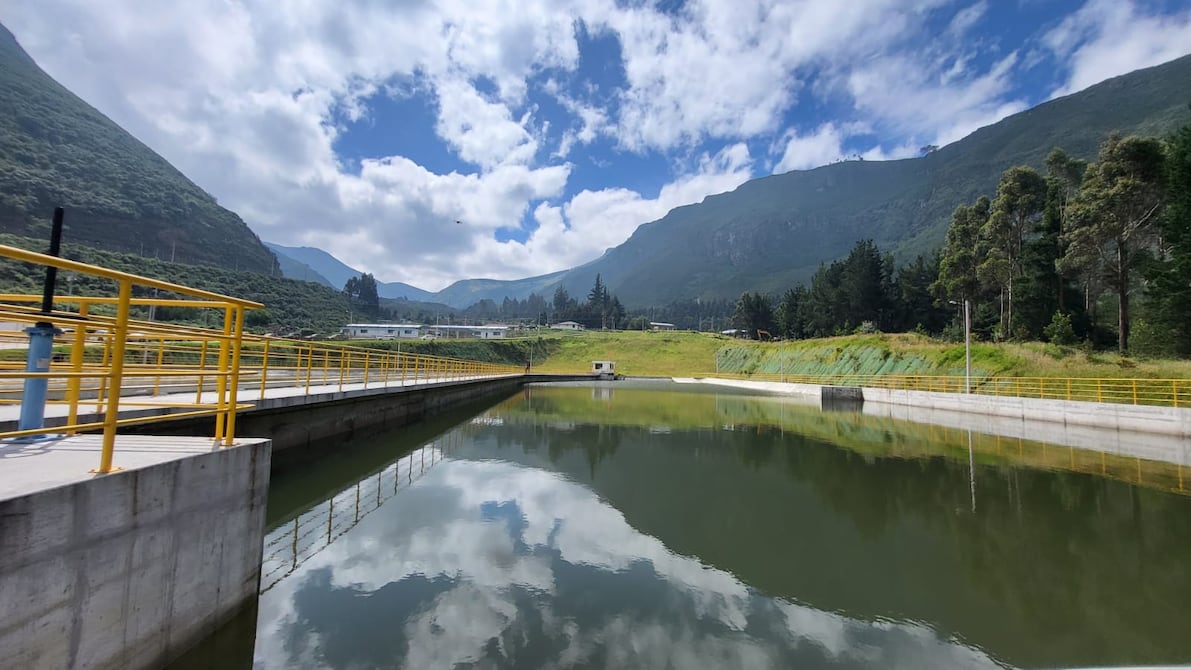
(688, 354)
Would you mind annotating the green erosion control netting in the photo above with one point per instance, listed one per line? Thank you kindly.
(833, 359)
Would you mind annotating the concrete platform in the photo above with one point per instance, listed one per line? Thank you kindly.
(57, 461)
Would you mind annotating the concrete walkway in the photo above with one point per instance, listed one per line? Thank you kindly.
(137, 406)
(47, 463)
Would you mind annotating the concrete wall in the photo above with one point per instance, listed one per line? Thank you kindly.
(1111, 416)
(130, 569)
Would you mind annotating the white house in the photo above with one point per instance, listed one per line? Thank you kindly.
(660, 325)
(381, 331)
(567, 325)
(490, 332)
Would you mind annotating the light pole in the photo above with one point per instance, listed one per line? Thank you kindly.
(967, 344)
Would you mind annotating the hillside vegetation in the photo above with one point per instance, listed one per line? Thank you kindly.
(56, 150)
(291, 306)
(686, 354)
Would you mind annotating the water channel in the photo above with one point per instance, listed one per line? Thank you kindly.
(626, 525)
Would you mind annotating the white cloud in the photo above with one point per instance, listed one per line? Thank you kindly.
(802, 152)
(592, 221)
(1106, 38)
(483, 132)
(245, 99)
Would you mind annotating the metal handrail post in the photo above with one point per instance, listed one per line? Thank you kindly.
(112, 415)
(74, 384)
(221, 379)
(264, 370)
(235, 382)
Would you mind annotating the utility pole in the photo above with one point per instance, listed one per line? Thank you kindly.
(967, 344)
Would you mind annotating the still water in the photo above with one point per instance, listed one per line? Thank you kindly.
(622, 526)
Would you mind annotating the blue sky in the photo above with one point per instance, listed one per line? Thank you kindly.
(551, 129)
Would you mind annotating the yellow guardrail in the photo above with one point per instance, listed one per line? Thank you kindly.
(105, 360)
(1157, 392)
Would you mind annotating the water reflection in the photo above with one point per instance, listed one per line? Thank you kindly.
(626, 527)
(491, 562)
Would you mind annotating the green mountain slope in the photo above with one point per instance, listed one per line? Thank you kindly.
(773, 232)
(56, 150)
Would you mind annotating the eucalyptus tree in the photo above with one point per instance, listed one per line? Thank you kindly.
(1021, 197)
(1114, 216)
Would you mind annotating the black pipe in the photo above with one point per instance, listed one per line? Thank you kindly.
(51, 272)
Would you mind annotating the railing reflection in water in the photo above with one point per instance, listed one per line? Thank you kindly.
(292, 543)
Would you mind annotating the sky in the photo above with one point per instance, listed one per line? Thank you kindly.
(428, 141)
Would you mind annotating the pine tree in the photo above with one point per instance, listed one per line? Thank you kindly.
(1169, 289)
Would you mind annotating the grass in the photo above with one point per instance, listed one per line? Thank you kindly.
(637, 353)
(686, 354)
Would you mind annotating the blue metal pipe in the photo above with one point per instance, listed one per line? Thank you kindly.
(41, 350)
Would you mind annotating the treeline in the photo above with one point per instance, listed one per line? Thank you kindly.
(861, 293)
(601, 309)
(691, 314)
(1095, 252)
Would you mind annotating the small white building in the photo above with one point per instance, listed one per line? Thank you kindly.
(381, 331)
(490, 332)
(661, 325)
(605, 369)
(567, 325)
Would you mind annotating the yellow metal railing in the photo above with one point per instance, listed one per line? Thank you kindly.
(106, 361)
(109, 321)
(1157, 392)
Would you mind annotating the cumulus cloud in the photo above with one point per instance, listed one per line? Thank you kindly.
(819, 147)
(250, 99)
(1106, 38)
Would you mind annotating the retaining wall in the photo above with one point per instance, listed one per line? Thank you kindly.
(1112, 416)
(129, 569)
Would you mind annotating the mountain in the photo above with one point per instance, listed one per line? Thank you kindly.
(56, 150)
(467, 292)
(333, 272)
(772, 233)
(292, 268)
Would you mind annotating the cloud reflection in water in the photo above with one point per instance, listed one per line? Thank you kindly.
(489, 564)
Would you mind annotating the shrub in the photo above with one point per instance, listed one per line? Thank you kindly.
(1059, 331)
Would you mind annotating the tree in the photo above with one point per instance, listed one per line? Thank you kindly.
(616, 313)
(916, 305)
(791, 321)
(865, 280)
(1021, 196)
(598, 294)
(1169, 290)
(361, 293)
(823, 314)
(753, 313)
(1114, 216)
(1065, 174)
(562, 302)
(959, 262)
